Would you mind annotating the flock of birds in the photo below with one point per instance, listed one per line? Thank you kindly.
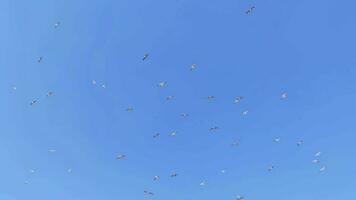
(193, 67)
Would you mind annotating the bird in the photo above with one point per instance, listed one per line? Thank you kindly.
(244, 113)
(156, 135)
(174, 174)
(93, 82)
(130, 109)
(39, 60)
(27, 182)
(317, 154)
(52, 151)
(210, 98)
(184, 114)
(249, 11)
(235, 144)
(32, 103)
(56, 25)
(223, 171)
(238, 99)
(193, 67)
(300, 143)
(14, 87)
(145, 56)
(69, 170)
(239, 197)
(276, 140)
(49, 94)
(323, 168)
(162, 84)
(32, 171)
(156, 178)
(103, 86)
(214, 128)
(120, 157)
(148, 193)
(170, 97)
(173, 133)
(270, 168)
(284, 95)
(203, 183)
(316, 161)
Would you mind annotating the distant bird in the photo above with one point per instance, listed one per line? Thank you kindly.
(193, 67)
(210, 98)
(156, 178)
(249, 11)
(27, 182)
(156, 135)
(32, 171)
(238, 99)
(130, 109)
(244, 113)
(276, 140)
(14, 87)
(32, 103)
(174, 174)
(52, 151)
(93, 82)
(168, 98)
(214, 128)
(162, 84)
(270, 168)
(120, 157)
(284, 95)
(145, 56)
(235, 144)
(69, 170)
(239, 197)
(56, 25)
(39, 60)
(184, 114)
(173, 133)
(103, 86)
(203, 183)
(300, 143)
(316, 161)
(49, 94)
(323, 168)
(148, 193)
(223, 171)
(318, 154)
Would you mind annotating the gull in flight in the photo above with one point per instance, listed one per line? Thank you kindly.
(203, 183)
(162, 84)
(239, 197)
(238, 99)
(318, 154)
(249, 11)
(300, 143)
(223, 171)
(235, 144)
(120, 157)
(103, 86)
(52, 151)
(323, 168)
(49, 94)
(56, 25)
(33, 102)
(193, 67)
(214, 128)
(32, 171)
(270, 168)
(184, 114)
(93, 82)
(316, 161)
(276, 140)
(170, 97)
(174, 174)
(156, 135)
(145, 56)
(244, 113)
(130, 109)
(156, 178)
(39, 60)
(69, 170)
(173, 133)
(211, 98)
(284, 95)
(148, 193)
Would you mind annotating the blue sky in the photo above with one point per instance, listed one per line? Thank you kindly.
(305, 48)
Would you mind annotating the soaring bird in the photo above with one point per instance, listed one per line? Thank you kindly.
(210, 98)
(130, 109)
(214, 128)
(32, 103)
(39, 60)
(284, 95)
(323, 168)
(162, 83)
(184, 114)
(56, 25)
(203, 183)
(173, 133)
(270, 168)
(244, 113)
(120, 157)
(300, 143)
(145, 56)
(170, 97)
(148, 193)
(276, 140)
(239, 197)
(93, 82)
(156, 178)
(49, 94)
(249, 11)
(193, 67)
(156, 135)
(238, 99)
(317, 154)
(174, 174)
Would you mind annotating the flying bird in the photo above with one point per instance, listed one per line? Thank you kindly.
(156, 178)
(174, 174)
(235, 144)
(270, 168)
(300, 143)
(32, 103)
(162, 84)
(239, 197)
(49, 94)
(168, 98)
(103, 86)
(56, 25)
(276, 140)
(156, 135)
(173, 133)
(145, 56)
(69, 170)
(203, 183)
(238, 99)
(120, 157)
(210, 98)
(318, 154)
(214, 128)
(93, 82)
(284, 95)
(52, 151)
(244, 113)
(39, 60)
(184, 114)
(130, 109)
(148, 193)
(249, 11)
(193, 67)
(316, 161)
(323, 168)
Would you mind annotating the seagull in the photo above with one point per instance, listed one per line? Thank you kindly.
(145, 56)
(103, 86)
(93, 82)
(249, 11)
(33, 102)
(235, 144)
(120, 157)
(203, 183)
(49, 94)
(238, 99)
(245, 112)
(39, 60)
(284, 95)
(211, 98)
(14, 87)
(169, 97)
(184, 114)
(174, 174)
(162, 83)
(276, 140)
(148, 193)
(223, 171)
(239, 197)
(156, 135)
(130, 109)
(323, 168)
(193, 67)
(56, 25)
(32, 171)
(300, 143)
(215, 128)
(270, 168)
(316, 161)
(317, 154)
(173, 133)
(156, 178)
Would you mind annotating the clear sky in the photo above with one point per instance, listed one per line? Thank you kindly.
(305, 48)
